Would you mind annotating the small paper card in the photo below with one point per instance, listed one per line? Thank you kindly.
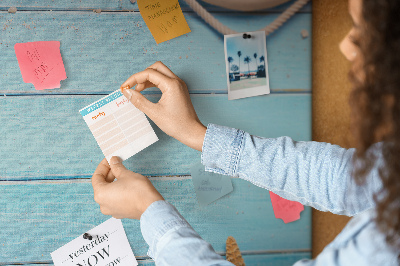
(41, 64)
(209, 186)
(284, 209)
(109, 246)
(118, 126)
(246, 64)
(164, 18)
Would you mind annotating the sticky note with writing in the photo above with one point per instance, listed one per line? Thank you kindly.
(118, 126)
(164, 18)
(108, 246)
(41, 63)
(209, 186)
(284, 209)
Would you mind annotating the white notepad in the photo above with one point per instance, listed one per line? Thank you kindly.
(118, 126)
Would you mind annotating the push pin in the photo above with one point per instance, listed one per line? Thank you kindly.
(246, 36)
(87, 236)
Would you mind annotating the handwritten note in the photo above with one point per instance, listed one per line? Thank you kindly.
(164, 18)
(284, 209)
(209, 186)
(118, 126)
(109, 246)
(41, 64)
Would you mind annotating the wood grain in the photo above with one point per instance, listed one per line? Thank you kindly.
(283, 259)
(43, 216)
(100, 51)
(49, 154)
(115, 5)
(47, 138)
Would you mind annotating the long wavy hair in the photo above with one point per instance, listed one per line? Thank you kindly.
(375, 103)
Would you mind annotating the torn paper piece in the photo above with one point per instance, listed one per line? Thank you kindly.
(284, 209)
(164, 18)
(41, 63)
(209, 186)
(118, 126)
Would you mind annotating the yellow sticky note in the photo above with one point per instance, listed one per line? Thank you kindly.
(164, 18)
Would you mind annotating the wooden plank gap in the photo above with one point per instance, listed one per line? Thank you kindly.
(184, 10)
(268, 252)
(154, 93)
(68, 180)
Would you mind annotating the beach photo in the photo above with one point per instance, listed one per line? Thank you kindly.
(246, 64)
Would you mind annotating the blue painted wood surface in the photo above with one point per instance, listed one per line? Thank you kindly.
(113, 5)
(52, 214)
(49, 154)
(268, 259)
(46, 137)
(100, 51)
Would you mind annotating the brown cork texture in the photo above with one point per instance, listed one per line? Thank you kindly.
(233, 254)
(331, 87)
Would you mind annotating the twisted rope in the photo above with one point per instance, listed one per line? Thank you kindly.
(224, 30)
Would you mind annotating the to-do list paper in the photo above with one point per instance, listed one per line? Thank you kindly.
(118, 126)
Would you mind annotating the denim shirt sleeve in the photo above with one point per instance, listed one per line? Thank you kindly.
(313, 173)
(172, 241)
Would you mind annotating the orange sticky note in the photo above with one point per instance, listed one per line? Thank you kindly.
(41, 63)
(284, 209)
(164, 18)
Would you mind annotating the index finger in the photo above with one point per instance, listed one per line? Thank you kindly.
(100, 174)
(160, 80)
(160, 67)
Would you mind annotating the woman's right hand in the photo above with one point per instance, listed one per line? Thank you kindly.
(173, 113)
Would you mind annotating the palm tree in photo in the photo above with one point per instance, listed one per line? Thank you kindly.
(230, 60)
(247, 60)
(239, 55)
(262, 59)
(261, 68)
(255, 59)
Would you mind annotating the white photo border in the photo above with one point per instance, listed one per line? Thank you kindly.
(248, 92)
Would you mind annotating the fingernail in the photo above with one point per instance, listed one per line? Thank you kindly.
(124, 88)
(115, 160)
(128, 93)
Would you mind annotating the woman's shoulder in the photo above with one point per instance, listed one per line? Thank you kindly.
(362, 240)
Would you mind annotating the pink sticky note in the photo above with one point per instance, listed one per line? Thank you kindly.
(284, 209)
(41, 63)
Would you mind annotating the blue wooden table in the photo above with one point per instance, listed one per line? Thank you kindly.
(48, 154)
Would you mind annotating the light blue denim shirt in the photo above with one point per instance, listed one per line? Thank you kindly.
(312, 173)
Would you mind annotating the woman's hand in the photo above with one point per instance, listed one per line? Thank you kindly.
(174, 113)
(127, 197)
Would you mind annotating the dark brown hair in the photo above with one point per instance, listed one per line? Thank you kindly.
(375, 102)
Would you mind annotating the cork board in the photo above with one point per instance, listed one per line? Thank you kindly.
(331, 88)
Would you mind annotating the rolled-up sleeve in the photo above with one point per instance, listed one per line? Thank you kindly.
(313, 173)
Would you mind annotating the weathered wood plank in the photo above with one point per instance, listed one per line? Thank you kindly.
(100, 51)
(41, 217)
(45, 137)
(286, 259)
(275, 259)
(114, 5)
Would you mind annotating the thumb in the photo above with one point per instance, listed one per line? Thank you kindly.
(139, 101)
(117, 167)
(99, 175)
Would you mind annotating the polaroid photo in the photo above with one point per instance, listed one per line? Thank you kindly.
(246, 64)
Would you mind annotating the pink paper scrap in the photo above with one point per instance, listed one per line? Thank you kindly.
(41, 63)
(284, 209)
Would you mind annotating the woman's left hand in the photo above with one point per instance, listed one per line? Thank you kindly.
(128, 197)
